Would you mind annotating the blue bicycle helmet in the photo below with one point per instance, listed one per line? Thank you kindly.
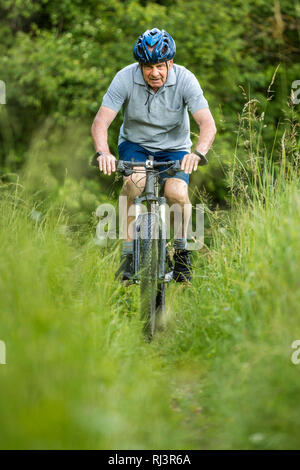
(164, 47)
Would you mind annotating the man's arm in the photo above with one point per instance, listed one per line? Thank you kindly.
(208, 130)
(206, 123)
(102, 121)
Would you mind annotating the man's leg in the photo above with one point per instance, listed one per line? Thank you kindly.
(133, 186)
(176, 192)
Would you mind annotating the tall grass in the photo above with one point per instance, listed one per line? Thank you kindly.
(232, 332)
(78, 373)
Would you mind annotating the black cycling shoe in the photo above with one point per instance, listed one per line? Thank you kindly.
(182, 267)
(125, 271)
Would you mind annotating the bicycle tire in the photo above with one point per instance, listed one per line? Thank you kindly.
(160, 306)
(148, 273)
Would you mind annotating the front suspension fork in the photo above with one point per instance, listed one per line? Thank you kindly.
(162, 240)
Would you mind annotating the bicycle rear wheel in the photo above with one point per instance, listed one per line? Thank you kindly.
(149, 272)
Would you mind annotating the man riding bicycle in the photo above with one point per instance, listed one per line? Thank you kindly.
(155, 95)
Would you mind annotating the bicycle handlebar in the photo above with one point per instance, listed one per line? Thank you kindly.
(126, 168)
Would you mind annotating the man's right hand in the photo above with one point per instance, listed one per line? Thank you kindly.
(107, 163)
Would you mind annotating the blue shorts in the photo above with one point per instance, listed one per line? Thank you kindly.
(128, 150)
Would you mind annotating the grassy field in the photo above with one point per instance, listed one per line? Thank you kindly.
(80, 376)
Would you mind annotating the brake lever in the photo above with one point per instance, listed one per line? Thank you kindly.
(127, 172)
(121, 168)
(174, 168)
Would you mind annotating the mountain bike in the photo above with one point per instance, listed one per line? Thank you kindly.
(151, 259)
(152, 262)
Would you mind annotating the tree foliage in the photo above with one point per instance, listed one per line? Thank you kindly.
(57, 58)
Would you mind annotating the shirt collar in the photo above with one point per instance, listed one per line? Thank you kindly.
(171, 80)
(139, 79)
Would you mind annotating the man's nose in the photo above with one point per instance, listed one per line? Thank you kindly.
(155, 72)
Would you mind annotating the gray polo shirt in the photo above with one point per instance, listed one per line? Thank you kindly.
(156, 121)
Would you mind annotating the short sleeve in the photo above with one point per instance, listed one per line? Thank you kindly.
(193, 94)
(116, 93)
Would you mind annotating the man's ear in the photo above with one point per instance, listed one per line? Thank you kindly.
(170, 64)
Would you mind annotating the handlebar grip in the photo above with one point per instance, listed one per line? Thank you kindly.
(94, 161)
(203, 161)
(120, 166)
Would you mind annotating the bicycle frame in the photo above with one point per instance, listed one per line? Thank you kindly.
(156, 205)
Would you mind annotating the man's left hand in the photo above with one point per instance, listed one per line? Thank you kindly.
(190, 163)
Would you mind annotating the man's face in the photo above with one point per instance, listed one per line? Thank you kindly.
(156, 74)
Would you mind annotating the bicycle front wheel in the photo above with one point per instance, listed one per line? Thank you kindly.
(149, 272)
(160, 306)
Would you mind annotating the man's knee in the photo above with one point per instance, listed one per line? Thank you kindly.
(134, 185)
(176, 191)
